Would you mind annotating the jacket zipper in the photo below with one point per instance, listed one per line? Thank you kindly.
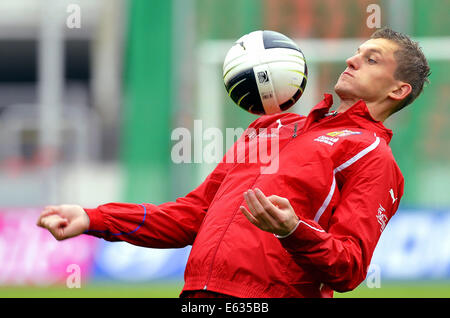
(217, 248)
(205, 287)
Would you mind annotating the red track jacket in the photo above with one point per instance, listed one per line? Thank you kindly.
(339, 175)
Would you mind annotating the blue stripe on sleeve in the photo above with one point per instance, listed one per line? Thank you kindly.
(123, 233)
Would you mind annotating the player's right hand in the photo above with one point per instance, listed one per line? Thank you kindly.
(64, 221)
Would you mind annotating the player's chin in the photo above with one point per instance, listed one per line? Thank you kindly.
(342, 88)
(347, 88)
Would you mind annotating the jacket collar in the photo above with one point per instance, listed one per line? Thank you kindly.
(358, 113)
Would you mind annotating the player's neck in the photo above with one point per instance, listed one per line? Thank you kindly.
(345, 105)
(376, 110)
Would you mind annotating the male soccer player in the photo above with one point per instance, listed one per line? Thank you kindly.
(304, 231)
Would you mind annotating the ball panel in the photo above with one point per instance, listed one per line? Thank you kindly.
(282, 54)
(253, 42)
(298, 93)
(243, 90)
(232, 71)
(290, 102)
(287, 79)
(264, 81)
(274, 39)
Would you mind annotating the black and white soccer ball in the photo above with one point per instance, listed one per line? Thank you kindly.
(265, 72)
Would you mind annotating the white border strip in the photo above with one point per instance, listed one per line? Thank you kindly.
(315, 229)
(293, 230)
(358, 156)
(327, 200)
(346, 164)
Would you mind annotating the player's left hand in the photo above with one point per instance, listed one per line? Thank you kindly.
(273, 214)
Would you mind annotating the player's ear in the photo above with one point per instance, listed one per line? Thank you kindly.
(400, 91)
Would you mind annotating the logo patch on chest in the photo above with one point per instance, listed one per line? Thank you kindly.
(332, 137)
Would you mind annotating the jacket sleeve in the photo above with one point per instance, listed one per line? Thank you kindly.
(341, 255)
(168, 225)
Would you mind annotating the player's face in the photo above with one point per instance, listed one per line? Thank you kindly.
(370, 72)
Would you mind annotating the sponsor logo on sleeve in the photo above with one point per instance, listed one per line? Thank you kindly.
(382, 218)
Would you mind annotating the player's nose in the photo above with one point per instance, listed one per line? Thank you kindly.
(352, 62)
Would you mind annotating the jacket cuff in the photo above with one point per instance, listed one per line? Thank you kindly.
(292, 231)
(303, 237)
(95, 220)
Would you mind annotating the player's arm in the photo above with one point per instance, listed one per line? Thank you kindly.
(341, 255)
(168, 225)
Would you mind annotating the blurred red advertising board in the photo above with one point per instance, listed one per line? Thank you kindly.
(30, 254)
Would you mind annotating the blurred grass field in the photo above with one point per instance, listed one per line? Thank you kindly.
(425, 289)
